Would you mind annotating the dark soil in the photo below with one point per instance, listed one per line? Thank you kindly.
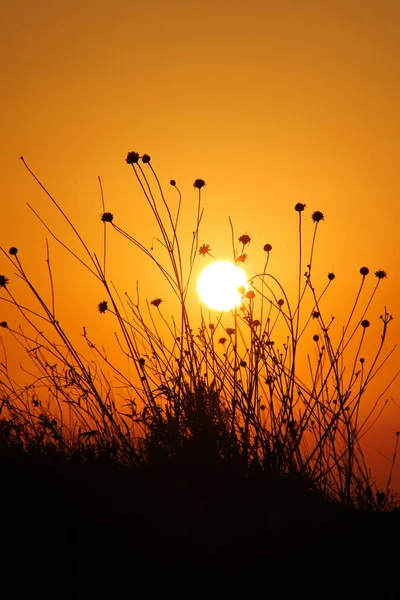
(71, 530)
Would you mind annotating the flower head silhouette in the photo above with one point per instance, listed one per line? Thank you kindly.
(107, 217)
(250, 295)
(102, 306)
(3, 281)
(132, 158)
(199, 183)
(317, 216)
(156, 302)
(380, 274)
(245, 239)
(204, 249)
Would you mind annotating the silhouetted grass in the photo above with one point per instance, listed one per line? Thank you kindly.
(220, 445)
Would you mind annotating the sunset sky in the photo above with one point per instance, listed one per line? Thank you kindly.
(270, 102)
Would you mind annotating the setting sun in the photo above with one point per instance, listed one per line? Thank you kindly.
(218, 285)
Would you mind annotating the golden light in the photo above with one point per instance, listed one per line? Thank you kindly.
(218, 283)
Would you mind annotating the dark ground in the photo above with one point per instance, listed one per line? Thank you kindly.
(78, 531)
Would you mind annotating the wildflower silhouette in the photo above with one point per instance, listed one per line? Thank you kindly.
(102, 306)
(317, 216)
(380, 274)
(245, 239)
(204, 250)
(156, 302)
(132, 158)
(107, 217)
(185, 391)
(199, 183)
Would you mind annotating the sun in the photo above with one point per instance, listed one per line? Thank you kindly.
(218, 283)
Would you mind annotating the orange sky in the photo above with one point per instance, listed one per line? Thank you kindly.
(272, 103)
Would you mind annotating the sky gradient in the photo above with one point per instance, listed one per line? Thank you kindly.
(272, 103)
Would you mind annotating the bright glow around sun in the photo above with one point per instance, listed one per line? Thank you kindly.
(218, 285)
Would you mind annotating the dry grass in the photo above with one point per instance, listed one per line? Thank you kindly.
(209, 397)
